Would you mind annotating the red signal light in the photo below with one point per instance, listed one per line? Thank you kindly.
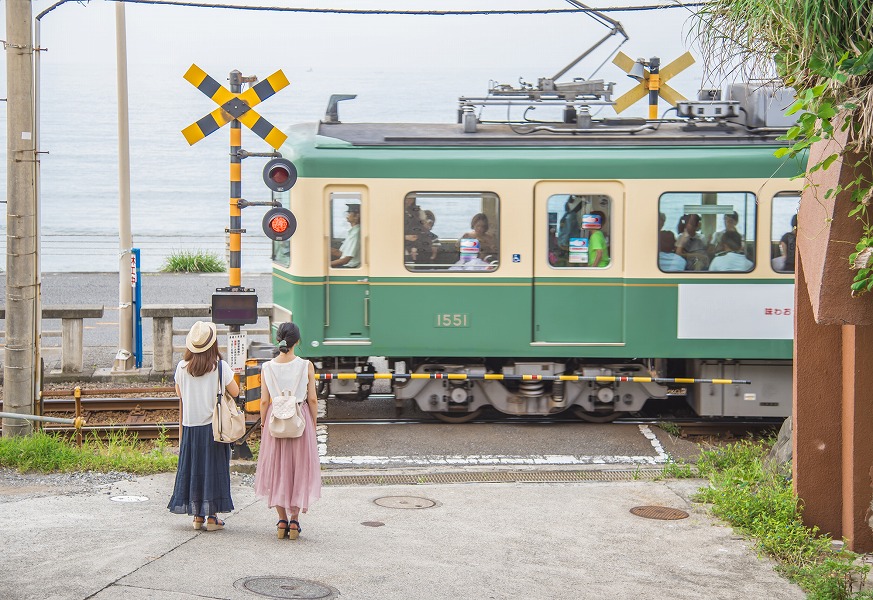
(280, 174)
(279, 224)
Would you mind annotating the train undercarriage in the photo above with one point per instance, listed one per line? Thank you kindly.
(463, 397)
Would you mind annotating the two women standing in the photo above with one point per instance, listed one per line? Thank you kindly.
(289, 472)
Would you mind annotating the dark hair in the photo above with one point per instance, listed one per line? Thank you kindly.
(683, 222)
(790, 241)
(287, 335)
(203, 362)
(479, 217)
(428, 214)
(732, 240)
(733, 215)
(794, 220)
(666, 241)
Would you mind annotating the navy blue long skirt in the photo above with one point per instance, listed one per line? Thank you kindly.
(203, 475)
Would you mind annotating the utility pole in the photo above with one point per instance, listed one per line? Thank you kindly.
(20, 374)
(124, 359)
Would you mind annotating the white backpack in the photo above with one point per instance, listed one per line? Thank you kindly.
(286, 420)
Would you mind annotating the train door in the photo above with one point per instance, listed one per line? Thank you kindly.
(347, 288)
(578, 290)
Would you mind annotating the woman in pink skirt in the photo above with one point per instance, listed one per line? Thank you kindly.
(289, 472)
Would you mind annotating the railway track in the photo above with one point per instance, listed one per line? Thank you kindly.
(139, 407)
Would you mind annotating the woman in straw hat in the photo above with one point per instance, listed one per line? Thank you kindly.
(203, 476)
(289, 472)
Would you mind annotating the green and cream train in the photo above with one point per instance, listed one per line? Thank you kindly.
(625, 248)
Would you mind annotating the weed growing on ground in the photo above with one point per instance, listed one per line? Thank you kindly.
(671, 428)
(678, 470)
(44, 452)
(198, 261)
(760, 503)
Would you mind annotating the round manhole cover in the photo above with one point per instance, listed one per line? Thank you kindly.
(286, 587)
(404, 502)
(659, 512)
(129, 498)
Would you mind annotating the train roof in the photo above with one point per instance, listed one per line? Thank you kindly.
(496, 151)
(608, 132)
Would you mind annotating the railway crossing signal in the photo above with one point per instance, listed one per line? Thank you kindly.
(279, 224)
(235, 106)
(653, 81)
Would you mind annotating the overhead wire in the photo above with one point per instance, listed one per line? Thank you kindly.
(359, 11)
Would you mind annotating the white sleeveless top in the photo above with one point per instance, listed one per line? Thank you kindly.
(286, 374)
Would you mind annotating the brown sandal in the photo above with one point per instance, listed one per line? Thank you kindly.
(213, 523)
(198, 523)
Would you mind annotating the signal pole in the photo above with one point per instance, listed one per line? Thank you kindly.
(20, 370)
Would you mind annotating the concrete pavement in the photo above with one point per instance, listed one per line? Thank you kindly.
(477, 540)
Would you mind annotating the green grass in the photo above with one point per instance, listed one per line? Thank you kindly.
(197, 261)
(760, 503)
(46, 453)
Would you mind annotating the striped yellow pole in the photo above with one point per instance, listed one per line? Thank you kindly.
(235, 229)
(654, 86)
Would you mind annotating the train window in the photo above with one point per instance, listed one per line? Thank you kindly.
(783, 231)
(281, 252)
(451, 231)
(345, 230)
(707, 232)
(578, 230)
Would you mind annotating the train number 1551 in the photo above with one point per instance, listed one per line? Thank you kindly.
(452, 320)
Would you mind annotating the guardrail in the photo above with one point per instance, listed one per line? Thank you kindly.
(162, 316)
(71, 317)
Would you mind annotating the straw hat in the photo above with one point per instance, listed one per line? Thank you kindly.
(201, 337)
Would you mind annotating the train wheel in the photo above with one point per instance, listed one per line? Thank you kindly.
(453, 417)
(600, 416)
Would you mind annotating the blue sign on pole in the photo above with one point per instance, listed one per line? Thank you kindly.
(136, 280)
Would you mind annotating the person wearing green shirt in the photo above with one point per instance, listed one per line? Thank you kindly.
(597, 247)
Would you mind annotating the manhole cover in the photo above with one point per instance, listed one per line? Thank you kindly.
(373, 523)
(129, 498)
(286, 587)
(404, 502)
(659, 512)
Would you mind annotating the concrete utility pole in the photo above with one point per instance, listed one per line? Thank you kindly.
(20, 376)
(124, 359)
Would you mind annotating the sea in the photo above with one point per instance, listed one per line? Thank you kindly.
(180, 193)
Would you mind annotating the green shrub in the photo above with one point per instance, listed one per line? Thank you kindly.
(46, 452)
(198, 261)
(760, 503)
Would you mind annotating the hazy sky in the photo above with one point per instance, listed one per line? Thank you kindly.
(219, 40)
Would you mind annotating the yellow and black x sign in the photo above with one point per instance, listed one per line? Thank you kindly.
(235, 106)
(626, 63)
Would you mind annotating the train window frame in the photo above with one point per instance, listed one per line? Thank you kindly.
(780, 242)
(455, 251)
(338, 221)
(713, 250)
(578, 210)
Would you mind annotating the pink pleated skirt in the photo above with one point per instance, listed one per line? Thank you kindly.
(289, 472)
